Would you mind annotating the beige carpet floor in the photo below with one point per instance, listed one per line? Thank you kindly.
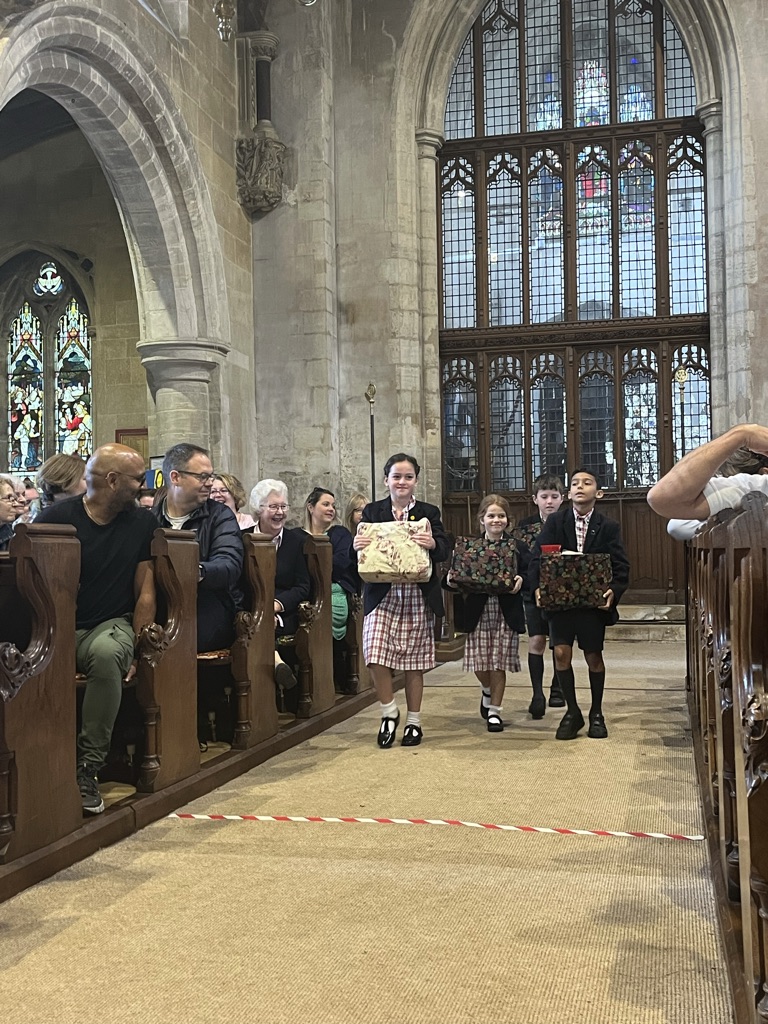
(273, 922)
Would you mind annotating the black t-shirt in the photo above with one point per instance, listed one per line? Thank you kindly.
(109, 556)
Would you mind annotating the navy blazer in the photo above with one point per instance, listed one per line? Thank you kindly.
(381, 512)
(603, 537)
(467, 607)
(292, 579)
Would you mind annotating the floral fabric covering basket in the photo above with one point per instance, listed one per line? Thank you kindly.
(527, 534)
(392, 556)
(483, 566)
(569, 580)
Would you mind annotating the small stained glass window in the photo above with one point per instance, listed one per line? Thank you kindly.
(49, 393)
(73, 384)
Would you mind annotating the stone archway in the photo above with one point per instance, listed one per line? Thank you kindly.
(87, 61)
(426, 61)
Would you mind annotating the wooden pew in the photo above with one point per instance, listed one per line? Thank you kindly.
(39, 797)
(358, 678)
(250, 660)
(313, 641)
(728, 665)
(166, 686)
(748, 570)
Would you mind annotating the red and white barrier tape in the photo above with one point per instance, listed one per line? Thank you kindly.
(435, 821)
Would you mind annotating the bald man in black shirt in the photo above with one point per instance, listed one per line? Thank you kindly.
(115, 599)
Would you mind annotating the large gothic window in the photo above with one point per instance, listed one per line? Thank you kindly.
(48, 360)
(573, 293)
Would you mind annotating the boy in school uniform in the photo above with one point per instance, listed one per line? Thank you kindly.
(548, 494)
(580, 527)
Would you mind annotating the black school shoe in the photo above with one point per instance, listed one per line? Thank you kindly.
(569, 726)
(387, 731)
(412, 735)
(538, 707)
(483, 709)
(556, 698)
(597, 729)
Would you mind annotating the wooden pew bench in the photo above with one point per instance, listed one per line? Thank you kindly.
(39, 798)
(250, 660)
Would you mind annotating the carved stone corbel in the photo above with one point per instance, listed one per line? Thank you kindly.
(259, 152)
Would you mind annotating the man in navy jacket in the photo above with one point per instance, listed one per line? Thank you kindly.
(188, 475)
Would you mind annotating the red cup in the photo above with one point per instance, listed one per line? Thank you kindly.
(550, 549)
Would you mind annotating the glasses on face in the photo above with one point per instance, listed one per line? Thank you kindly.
(203, 478)
(276, 508)
(10, 498)
(219, 490)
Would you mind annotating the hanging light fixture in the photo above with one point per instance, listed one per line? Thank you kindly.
(225, 12)
(306, 3)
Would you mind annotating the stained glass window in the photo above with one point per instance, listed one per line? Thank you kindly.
(73, 383)
(460, 424)
(573, 205)
(49, 374)
(507, 417)
(25, 392)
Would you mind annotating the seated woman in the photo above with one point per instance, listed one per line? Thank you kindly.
(319, 516)
(269, 504)
(353, 513)
(61, 476)
(228, 490)
(7, 511)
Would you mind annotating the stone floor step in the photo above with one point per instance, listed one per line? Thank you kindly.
(652, 612)
(644, 631)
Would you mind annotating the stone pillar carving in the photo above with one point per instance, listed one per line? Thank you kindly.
(258, 150)
(180, 373)
(429, 142)
(711, 115)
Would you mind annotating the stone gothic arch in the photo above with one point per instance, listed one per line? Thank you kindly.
(87, 61)
(432, 42)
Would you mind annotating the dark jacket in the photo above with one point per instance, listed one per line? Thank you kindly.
(344, 570)
(292, 579)
(6, 533)
(603, 537)
(524, 555)
(221, 557)
(381, 512)
(467, 608)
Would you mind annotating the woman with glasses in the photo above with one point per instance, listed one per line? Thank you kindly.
(228, 490)
(319, 521)
(353, 513)
(269, 504)
(8, 511)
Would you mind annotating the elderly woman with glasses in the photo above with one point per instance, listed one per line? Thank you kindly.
(228, 490)
(8, 511)
(269, 504)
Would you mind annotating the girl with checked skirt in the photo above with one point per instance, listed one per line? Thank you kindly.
(493, 624)
(398, 628)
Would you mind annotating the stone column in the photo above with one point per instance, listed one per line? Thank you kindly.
(429, 142)
(180, 373)
(711, 115)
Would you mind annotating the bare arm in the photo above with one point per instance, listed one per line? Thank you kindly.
(146, 603)
(679, 494)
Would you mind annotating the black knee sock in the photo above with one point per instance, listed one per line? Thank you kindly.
(555, 684)
(536, 670)
(568, 686)
(597, 685)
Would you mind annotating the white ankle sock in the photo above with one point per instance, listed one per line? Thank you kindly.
(389, 710)
(493, 710)
(486, 698)
(413, 718)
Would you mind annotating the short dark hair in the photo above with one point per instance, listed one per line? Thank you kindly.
(588, 471)
(401, 457)
(547, 482)
(178, 457)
